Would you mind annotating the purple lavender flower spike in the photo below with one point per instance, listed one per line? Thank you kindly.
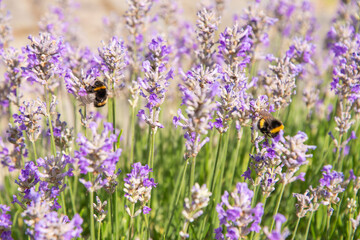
(276, 234)
(5, 223)
(138, 186)
(238, 219)
(43, 59)
(96, 156)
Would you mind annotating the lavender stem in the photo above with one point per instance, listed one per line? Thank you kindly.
(177, 190)
(296, 228)
(278, 205)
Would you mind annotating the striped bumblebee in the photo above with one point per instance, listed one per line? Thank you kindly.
(101, 94)
(268, 125)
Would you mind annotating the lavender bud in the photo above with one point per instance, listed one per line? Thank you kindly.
(99, 208)
(200, 197)
(138, 186)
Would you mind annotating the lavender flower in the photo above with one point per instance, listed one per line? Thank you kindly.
(60, 20)
(155, 82)
(113, 60)
(43, 59)
(78, 86)
(200, 198)
(277, 234)
(13, 61)
(207, 24)
(44, 224)
(28, 179)
(135, 19)
(259, 23)
(6, 31)
(5, 223)
(100, 213)
(198, 90)
(238, 219)
(304, 203)
(54, 171)
(295, 18)
(138, 187)
(96, 156)
(333, 183)
(233, 50)
(62, 134)
(13, 158)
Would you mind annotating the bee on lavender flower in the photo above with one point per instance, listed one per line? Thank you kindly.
(268, 125)
(101, 93)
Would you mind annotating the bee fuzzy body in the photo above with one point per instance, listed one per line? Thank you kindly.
(101, 94)
(268, 125)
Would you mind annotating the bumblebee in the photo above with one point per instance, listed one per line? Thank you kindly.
(101, 94)
(268, 125)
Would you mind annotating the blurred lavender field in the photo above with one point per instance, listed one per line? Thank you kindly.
(160, 119)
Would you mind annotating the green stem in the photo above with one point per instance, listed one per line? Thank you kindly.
(177, 191)
(233, 164)
(223, 162)
(213, 176)
(110, 214)
(34, 150)
(131, 221)
(63, 202)
(99, 230)
(113, 114)
(53, 146)
(92, 224)
(152, 148)
(72, 196)
(192, 175)
(328, 222)
(132, 147)
(337, 215)
(278, 205)
(350, 229)
(308, 225)
(116, 214)
(296, 228)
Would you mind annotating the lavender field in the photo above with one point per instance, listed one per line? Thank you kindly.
(214, 119)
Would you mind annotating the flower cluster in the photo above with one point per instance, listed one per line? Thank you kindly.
(6, 31)
(62, 134)
(44, 60)
(236, 216)
(30, 117)
(78, 86)
(295, 18)
(200, 197)
(113, 60)
(96, 156)
(234, 45)
(138, 187)
(13, 60)
(259, 24)
(135, 19)
(5, 223)
(54, 169)
(13, 158)
(155, 82)
(333, 183)
(46, 224)
(199, 90)
(100, 212)
(207, 25)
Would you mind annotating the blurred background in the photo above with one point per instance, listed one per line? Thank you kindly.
(90, 13)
